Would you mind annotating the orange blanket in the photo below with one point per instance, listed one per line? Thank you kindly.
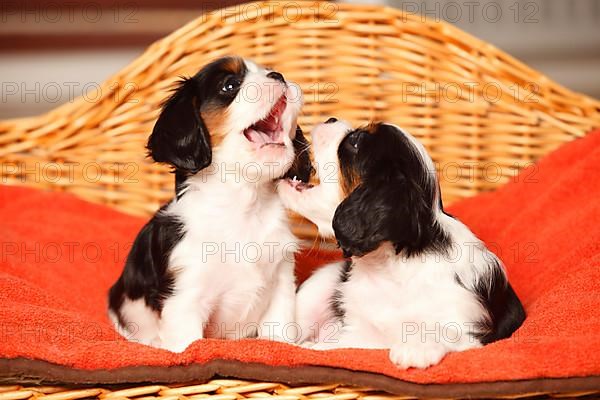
(59, 255)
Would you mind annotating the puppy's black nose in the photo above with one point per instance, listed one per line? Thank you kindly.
(276, 75)
(331, 120)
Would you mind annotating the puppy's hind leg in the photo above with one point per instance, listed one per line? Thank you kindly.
(137, 322)
(315, 311)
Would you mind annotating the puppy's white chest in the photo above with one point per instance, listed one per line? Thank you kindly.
(233, 262)
(404, 297)
(386, 297)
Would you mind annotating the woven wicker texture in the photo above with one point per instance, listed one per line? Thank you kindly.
(480, 113)
(230, 390)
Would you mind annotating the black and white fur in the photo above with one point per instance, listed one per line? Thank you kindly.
(217, 261)
(417, 281)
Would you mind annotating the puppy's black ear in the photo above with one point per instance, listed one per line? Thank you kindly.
(301, 167)
(389, 212)
(179, 137)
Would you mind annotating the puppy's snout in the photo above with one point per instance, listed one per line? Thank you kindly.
(276, 75)
(332, 126)
(330, 131)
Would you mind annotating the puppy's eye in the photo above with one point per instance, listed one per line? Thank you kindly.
(353, 141)
(231, 84)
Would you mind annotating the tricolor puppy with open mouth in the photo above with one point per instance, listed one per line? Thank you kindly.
(218, 260)
(418, 281)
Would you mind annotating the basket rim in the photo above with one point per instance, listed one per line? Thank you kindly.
(151, 53)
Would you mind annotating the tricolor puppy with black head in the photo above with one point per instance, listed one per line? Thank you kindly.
(418, 281)
(217, 261)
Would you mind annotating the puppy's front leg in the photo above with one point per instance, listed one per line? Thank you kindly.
(182, 321)
(277, 322)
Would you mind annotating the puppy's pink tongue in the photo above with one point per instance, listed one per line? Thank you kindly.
(255, 137)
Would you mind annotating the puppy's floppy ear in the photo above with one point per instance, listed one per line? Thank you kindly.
(179, 137)
(301, 167)
(387, 212)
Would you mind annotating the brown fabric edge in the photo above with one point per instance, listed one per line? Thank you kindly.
(22, 370)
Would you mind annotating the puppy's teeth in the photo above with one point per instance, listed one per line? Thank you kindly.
(295, 179)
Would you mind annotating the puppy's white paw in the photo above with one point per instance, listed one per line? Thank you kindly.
(276, 338)
(326, 346)
(174, 347)
(307, 344)
(417, 354)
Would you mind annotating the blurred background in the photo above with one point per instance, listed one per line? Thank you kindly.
(52, 51)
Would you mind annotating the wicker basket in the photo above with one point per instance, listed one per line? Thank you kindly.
(481, 114)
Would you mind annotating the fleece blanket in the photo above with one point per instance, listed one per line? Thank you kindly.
(59, 255)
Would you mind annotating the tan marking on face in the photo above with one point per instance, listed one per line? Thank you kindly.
(372, 128)
(349, 180)
(234, 65)
(349, 176)
(215, 121)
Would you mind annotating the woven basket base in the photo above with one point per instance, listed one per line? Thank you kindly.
(227, 389)
(251, 380)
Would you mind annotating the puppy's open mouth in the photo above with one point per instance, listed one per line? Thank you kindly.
(299, 185)
(267, 131)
